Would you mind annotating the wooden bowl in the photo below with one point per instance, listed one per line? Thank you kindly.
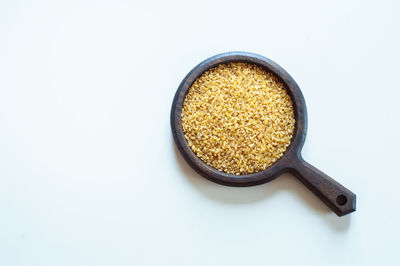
(339, 199)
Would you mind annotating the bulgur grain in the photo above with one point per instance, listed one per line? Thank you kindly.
(238, 118)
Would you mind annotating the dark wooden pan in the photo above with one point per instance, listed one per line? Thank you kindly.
(338, 198)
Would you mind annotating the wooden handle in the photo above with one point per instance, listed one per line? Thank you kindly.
(338, 198)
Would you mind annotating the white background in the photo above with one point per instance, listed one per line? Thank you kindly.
(89, 174)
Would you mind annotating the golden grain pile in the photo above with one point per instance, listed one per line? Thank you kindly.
(238, 118)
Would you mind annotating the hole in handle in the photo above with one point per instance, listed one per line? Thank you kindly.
(341, 200)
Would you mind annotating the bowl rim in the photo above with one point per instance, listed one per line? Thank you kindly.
(290, 156)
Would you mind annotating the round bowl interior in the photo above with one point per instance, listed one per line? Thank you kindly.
(209, 172)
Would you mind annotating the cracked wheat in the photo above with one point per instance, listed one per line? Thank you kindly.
(238, 118)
